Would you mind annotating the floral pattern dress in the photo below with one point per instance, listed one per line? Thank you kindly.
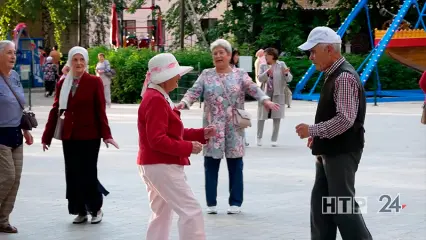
(216, 89)
(50, 72)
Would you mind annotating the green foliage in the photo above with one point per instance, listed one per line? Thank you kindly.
(99, 12)
(254, 24)
(10, 10)
(131, 65)
(172, 18)
(15, 11)
(60, 15)
(131, 5)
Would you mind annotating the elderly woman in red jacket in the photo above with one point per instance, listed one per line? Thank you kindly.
(80, 99)
(164, 148)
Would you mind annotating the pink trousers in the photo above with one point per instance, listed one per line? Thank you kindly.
(169, 192)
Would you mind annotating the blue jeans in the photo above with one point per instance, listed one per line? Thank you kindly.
(236, 186)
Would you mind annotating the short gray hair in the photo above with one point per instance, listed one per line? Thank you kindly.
(221, 43)
(336, 46)
(4, 43)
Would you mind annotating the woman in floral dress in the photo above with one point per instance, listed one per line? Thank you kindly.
(216, 85)
(50, 75)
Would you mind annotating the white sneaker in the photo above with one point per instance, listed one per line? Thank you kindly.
(259, 142)
(211, 210)
(234, 210)
(274, 144)
(80, 219)
(98, 218)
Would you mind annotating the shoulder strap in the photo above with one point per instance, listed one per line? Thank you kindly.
(226, 93)
(10, 87)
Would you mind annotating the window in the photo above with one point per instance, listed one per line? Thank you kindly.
(129, 26)
(207, 23)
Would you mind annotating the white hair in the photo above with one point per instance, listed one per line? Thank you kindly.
(221, 43)
(4, 43)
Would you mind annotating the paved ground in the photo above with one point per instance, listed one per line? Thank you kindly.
(278, 181)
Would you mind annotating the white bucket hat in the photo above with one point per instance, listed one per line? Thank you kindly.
(163, 67)
(320, 35)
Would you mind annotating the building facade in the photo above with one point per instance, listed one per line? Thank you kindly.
(137, 23)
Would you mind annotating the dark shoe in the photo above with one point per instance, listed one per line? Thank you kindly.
(8, 229)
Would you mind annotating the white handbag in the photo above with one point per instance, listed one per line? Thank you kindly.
(240, 117)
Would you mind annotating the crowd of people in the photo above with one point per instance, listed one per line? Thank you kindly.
(78, 118)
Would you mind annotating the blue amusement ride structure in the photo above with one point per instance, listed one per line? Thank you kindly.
(370, 63)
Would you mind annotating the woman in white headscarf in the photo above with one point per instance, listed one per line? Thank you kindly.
(80, 99)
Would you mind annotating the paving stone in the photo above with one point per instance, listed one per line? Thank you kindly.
(278, 181)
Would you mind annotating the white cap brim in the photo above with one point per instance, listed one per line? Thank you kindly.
(307, 46)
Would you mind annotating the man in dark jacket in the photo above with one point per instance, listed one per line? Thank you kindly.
(336, 139)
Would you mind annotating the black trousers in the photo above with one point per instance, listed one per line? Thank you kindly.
(50, 87)
(335, 177)
(84, 191)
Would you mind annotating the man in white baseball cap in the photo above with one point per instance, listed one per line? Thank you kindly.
(320, 35)
(321, 43)
(336, 139)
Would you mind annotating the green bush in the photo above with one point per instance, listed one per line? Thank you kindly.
(131, 65)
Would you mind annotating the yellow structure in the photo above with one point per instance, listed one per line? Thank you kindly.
(401, 34)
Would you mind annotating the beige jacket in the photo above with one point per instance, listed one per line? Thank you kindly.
(279, 92)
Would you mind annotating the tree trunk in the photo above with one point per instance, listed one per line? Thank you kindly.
(257, 21)
(46, 26)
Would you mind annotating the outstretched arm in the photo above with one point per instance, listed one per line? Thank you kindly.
(194, 92)
(194, 134)
(252, 89)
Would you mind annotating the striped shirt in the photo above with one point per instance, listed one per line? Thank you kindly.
(347, 100)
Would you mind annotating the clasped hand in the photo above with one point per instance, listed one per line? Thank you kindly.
(209, 132)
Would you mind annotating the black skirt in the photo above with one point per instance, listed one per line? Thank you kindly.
(84, 191)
